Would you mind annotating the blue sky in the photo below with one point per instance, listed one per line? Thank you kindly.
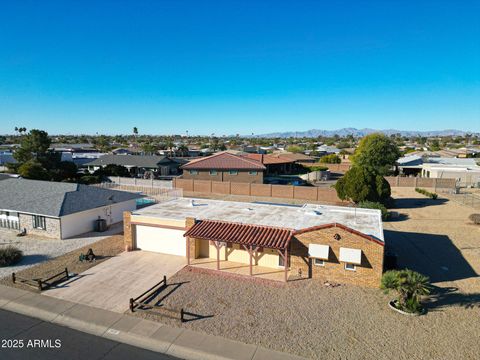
(228, 67)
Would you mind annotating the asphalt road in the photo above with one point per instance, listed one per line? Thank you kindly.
(60, 342)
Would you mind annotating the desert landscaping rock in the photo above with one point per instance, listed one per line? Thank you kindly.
(104, 249)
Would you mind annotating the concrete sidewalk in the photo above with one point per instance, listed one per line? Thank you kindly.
(151, 335)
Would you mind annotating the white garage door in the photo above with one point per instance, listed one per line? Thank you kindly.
(167, 241)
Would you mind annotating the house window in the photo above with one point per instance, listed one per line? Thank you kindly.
(193, 172)
(319, 262)
(233, 172)
(213, 172)
(350, 267)
(254, 173)
(39, 222)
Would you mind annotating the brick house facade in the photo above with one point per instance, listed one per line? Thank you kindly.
(368, 273)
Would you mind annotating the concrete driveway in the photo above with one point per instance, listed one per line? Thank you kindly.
(112, 283)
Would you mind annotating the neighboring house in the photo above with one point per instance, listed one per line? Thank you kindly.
(59, 210)
(6, 157)
(297, 158)
(274, 164)
(224, 166)
(464, 170)
(138, 165)
(327, 150)
(332, 243)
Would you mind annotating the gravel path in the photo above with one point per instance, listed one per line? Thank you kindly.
(38, 249)
(103, 249)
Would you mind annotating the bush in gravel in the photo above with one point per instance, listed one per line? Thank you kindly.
(410, 287)
(427, 193)
(375, 205)
(475, 218)
(10, 255)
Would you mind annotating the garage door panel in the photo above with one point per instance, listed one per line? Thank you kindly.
(166, 241)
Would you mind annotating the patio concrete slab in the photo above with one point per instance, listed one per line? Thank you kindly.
(89, 319)
(112, 283)
(32, 304)
(191, 344)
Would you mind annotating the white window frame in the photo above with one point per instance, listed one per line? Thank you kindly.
(213, 172)
(193, 172)
(253, 173)
(233, 172)
(318, 262)
(350, 269)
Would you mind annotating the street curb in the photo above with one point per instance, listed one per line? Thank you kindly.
(159, 338)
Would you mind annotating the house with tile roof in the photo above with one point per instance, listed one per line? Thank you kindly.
(138, 165)
(225, 166)
(264, 241)
(59, 210)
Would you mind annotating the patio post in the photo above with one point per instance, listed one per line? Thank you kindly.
(218, 254)
(285, 263)
(188, 250)
(250, 255)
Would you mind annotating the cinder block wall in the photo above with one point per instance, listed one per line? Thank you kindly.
(368, 274)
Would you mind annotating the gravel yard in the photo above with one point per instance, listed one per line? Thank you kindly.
(347, 322)
(37, 249)
(103, 249)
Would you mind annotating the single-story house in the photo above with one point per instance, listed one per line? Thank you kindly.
(464, 170)
(274, 164)
(339, 244)
(59, 210)
(138, 164)
(224, 166)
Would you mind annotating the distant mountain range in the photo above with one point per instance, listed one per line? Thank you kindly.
(362, 132)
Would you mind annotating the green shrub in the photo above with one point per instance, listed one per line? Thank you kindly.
(10, 255)
(475, 218)
(375, 205)
(410, 287)
(331, 159)
(317, 168)
(358, 184)
(427, 193)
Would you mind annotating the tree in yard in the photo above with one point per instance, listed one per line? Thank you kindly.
(377, 153)
(33, 145)
(112, 170)
(135, 131)
(149, 148)
(410, 287)
(358, 184)
(33, 169)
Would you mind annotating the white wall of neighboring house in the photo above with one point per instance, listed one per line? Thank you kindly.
(82, 222)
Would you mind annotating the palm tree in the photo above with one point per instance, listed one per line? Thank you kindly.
(410, 286)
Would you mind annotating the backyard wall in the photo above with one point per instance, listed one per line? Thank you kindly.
(401, 181)
(307, 193)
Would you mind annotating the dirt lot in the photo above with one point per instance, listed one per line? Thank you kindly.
(103, 249)
(348, 322)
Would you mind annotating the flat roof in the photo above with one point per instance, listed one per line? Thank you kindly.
(367, 221)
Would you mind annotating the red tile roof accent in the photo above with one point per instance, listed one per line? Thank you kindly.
(245, 234)
(223, 161)
(268, 159)
(346, 228)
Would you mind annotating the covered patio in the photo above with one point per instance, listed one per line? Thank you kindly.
(250, 238)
